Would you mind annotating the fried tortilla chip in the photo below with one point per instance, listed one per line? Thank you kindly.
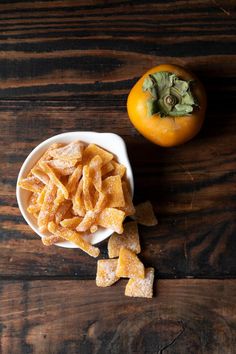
(129, 266)
(106, 272)
(92, 150)
(141, 287)
(144, 214)
(129, 239)
(112, 188)
(112, 218)
(72, 151)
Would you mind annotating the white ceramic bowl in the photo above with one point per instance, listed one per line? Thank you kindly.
(109, 141)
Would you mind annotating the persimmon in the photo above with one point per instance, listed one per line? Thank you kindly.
(167, 105)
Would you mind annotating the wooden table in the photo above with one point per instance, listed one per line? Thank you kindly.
(67, 66)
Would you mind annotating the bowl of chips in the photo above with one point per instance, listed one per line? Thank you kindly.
(75, 189)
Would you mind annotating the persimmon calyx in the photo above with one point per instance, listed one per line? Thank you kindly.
(169, 95)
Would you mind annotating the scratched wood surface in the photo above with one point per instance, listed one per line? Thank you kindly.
(69, 65)
(52, 316)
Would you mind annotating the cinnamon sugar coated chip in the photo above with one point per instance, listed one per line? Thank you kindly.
(141, 287)
(129, 239)
(106, 272)
(76, 190)
(112, 188)
(129, 266)
(144, 214)
(112, 218)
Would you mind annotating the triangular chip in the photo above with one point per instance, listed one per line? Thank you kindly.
(72, 151)
(119, 169)
(129, 239)
(129, 208)
(107, 168)
(38, 173)
(112, 218)
(112, 188)
(106, 272)
(92, 150)
(129, 266)
(144, 214)
(141, 287)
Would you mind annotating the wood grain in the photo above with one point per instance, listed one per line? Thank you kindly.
(187, 316)
(67, 66)
(71, 49)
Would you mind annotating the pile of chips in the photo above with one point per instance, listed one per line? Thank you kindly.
(126, 246)
(76, 189)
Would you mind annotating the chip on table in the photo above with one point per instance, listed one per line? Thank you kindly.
(128, 239)
(137, 287)
(106, 272)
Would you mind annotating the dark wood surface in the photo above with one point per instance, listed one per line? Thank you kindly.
(69, 65)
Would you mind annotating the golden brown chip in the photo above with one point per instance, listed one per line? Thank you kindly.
(33, 207)
(112, 218)
(119, 169)
(129, 239)
(95, 172)
(87, 183)
(141, 287)
(44, 166)
(92, 150)
(34, 210)
(145, 215)
(41, 196)
(88, 220)
(73, 180)
(46, 156)
(33, 198)
(46, 212)
(62, 167)
(129, 208)
(58, 200)
(107, 168)
(106, 272)
(32, 184)
(112, 188)
(62, 210)
(78, 201)
(51, 240)
(72, 151)
(73, 237)
(38, 173)
(129, 266)
(71, 223)
(100, 204)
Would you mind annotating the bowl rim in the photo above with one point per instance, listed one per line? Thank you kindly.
(78, 135)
